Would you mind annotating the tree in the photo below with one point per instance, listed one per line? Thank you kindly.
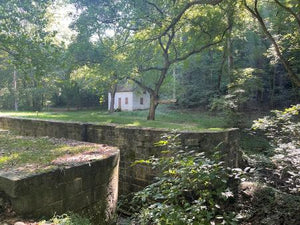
(101, 53)
(171, 32)
(155, 34)
(29, 47)
(254, 10)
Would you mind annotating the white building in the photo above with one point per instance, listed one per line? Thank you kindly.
(129, 99)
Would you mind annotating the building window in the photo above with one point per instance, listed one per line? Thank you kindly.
(141, 101)
(126, 101)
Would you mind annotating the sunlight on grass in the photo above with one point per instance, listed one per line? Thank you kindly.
(7, 159)
(134, 124)
(29, 152)
(216, 129)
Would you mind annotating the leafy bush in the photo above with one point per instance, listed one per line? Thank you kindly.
(72, 219)
(191, 189)
(283, 131)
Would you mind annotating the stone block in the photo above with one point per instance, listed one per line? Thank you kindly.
(74, 187)
(51, 209)
(77, 202)
(192, 142)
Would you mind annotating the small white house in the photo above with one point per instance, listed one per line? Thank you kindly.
(130, 99)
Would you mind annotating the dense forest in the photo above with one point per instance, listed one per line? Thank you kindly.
(236, 55)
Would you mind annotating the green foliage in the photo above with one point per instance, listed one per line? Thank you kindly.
(72, 93)
(240, 91)
(191, 189)
(198, 78)
(255, 144)
(282, 129)
(67, 219)
(268, 205)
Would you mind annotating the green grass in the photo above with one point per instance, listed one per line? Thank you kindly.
(30, 154)
(165, 118)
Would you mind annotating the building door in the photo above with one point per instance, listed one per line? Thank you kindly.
(119, 103)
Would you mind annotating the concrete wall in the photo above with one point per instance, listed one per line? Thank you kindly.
(69, 188)
(134, 143)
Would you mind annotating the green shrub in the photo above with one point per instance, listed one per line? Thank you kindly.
(191, 189)
(283, 131)
(71, 219)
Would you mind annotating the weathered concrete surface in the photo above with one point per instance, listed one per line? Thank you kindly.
(134, 143)
(72, 187)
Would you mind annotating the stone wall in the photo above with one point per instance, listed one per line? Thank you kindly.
(134, 143)
(69, 188)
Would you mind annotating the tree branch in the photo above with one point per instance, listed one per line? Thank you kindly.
(12, 53)
(185, 8)
(195, 51)
(142, 70)
(167, 101)
(156, 7)
(162, 45)
(171, 37)
(297, 17)
(142, 86)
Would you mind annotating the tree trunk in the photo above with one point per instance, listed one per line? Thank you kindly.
(112, 98)
(36, 97)
(273, 86)
(16, 103)
(153, 106)
(221, 72)
(211, 60)
(229, 54)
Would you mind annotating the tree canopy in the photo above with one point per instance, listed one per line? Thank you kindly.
(214, 52)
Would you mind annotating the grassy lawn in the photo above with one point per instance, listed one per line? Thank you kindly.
(30, 155)
(165, 118)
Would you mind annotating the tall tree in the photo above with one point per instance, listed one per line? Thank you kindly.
(169, 32)
(98, 46)
(253, 8)
(28, 45)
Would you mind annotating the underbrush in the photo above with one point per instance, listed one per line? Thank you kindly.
(260, 204)
(273, 148)
(71, 219)
(191, 189)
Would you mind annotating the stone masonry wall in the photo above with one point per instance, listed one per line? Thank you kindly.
(134, 143)
(70, 188)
